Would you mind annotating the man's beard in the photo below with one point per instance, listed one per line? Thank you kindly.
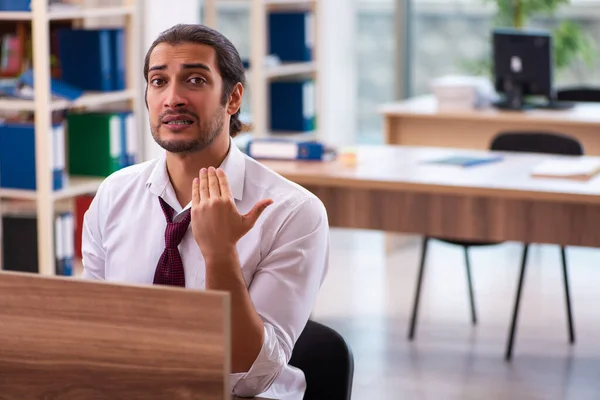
(207, 134)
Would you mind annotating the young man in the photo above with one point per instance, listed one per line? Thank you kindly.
(177, 220)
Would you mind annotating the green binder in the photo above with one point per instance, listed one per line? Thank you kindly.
(94, 143)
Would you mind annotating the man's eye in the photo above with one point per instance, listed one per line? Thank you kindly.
(197, 80)
(156, 81)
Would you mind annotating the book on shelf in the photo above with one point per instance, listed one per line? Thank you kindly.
(574, 168)
(92, 59)
(20, 239)
(292, 106)
(290, 35)
(100, 142)
(17, 156)
(15, 5)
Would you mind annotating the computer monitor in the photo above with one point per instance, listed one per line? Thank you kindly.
(523, 66)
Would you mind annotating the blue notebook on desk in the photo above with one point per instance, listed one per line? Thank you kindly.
(466, 161)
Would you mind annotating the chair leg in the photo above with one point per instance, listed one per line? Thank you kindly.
(567, 296)
(413, 319)
(470, 284)
(513, 325)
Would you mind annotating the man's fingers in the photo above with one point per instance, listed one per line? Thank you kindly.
(196, 191)
(213, 183)
(223, 183)
(204, 193)
(255, 213)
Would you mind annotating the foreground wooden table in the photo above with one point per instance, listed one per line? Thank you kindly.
(419, 122)
(392, 189)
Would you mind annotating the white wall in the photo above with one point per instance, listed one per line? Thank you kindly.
(158, 15)
(337, 59)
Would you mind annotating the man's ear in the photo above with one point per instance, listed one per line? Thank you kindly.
(235, 99)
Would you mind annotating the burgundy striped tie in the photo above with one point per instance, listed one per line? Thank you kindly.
(169, 270)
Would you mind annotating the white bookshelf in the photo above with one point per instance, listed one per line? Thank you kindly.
(260, 73)
(45, 198)
(69, 13)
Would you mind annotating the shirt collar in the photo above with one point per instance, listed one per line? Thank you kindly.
(234, 166)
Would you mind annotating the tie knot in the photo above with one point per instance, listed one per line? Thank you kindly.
(175, 231)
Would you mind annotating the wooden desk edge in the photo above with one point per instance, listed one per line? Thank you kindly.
(351, 182)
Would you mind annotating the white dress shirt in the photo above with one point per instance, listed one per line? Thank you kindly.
(284, 258)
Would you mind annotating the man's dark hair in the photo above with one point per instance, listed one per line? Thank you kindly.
(228, 60)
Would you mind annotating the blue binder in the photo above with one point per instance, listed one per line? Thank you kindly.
(15, 5)
(290, 36)
(292, 106)
(118, 59)
(127, 138)
(92, 59)
(17, 156)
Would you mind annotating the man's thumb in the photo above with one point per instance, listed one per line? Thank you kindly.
(256, 211)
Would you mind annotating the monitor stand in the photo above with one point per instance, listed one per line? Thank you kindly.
(513, 99)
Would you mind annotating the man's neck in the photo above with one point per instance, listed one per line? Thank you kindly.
(182, 169)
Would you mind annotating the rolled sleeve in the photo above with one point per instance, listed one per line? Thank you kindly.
(284, 290)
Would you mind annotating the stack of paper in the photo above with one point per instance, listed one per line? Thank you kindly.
(568, 168)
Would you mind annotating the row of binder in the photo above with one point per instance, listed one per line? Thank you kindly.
(291, 35)
(20, 240)
(292, 106)
(93, 144)
(92, 59)
(100, 143)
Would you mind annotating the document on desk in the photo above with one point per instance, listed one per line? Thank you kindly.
(576, 168)
(466, 161)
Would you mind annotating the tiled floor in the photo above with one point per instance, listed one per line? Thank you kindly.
(367, 297)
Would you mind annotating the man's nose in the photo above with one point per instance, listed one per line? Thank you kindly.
(174, 97)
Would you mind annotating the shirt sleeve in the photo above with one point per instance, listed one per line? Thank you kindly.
(284, 290)
(92, 249)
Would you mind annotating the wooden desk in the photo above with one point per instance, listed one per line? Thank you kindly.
(67, 339)
(392, 189)
(418, 122)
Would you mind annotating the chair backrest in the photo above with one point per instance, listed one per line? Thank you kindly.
(327, 362)
(65, 338)
(579, 94)
(537, 142)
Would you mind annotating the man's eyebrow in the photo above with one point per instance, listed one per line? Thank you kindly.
(157, 68)
(196, 66)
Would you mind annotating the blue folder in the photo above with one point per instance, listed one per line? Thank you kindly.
(92, 59)
(17, 156)
(292, 106)
(290, 38)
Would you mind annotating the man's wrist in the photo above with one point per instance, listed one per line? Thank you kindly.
(220, 255)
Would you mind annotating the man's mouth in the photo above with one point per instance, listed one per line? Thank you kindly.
(180, 119)
(179, 122)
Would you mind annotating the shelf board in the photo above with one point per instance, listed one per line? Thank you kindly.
(15, 16)
(69, 13)
(77, 186)
(287, 4)
(87, 100)
(291, 69)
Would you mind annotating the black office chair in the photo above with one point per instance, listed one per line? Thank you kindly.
(327, 362)
(585, 94)
(533, 142)
(546, 143)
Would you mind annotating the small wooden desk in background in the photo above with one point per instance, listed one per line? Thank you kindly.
(418, 122)
(393, 189)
